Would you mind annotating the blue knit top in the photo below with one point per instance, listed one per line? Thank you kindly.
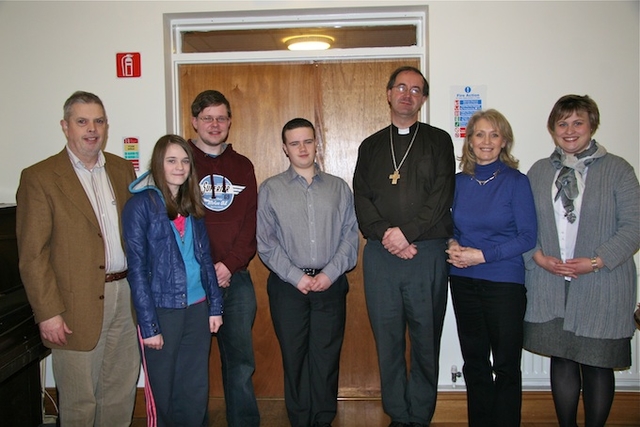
(499, 218)
(195, 290)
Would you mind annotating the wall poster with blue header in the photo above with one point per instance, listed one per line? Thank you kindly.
(465, 100)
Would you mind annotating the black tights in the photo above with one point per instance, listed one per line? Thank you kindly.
(598, 387)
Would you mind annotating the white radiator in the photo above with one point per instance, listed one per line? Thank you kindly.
(535, 370)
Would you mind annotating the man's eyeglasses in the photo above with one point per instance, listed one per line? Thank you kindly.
(223, 120)
(402, 88)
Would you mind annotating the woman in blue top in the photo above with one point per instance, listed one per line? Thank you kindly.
(173, 285)
(494, 224)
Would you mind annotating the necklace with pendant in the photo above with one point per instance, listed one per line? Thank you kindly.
(395, 176)
(485, 181)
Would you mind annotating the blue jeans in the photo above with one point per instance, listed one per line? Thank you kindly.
(236, 351)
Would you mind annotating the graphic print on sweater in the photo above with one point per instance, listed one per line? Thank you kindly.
(218, 192)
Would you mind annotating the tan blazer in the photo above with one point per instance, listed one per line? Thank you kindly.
(60, 245)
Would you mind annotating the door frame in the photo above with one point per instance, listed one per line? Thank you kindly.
(175, 23)
(174, 58)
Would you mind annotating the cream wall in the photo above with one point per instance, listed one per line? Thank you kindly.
(527, 54)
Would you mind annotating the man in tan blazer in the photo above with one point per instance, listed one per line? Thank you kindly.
(73, 267)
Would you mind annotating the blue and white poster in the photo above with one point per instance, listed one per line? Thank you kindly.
(465, 100)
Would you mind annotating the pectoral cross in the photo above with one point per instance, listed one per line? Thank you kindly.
(394, 177)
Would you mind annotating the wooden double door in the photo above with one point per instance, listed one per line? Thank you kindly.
(346, 101)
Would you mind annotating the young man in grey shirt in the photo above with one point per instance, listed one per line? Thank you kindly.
(308, 237)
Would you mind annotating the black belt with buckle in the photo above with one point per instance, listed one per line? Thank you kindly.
(311, 271)
(112, 277)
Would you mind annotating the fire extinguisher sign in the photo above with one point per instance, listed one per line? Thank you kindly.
(128, 64)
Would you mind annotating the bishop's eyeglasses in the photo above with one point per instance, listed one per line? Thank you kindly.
(403, 88)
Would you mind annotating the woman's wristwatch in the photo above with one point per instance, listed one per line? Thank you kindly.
(594, 264)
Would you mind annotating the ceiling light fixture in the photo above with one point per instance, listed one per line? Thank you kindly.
(308, 42)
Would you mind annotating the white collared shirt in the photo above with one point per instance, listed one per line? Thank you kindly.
(98, 188)
(567, 232)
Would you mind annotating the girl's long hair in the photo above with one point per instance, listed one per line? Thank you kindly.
(188, 201)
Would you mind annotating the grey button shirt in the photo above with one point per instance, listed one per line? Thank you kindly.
(303, 225)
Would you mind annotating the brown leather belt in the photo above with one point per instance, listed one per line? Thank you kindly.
(112, 277)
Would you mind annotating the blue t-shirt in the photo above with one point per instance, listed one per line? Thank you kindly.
(195, 290)
(499, 218)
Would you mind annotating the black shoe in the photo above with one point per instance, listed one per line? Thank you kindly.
(322, 425)
(399, 424)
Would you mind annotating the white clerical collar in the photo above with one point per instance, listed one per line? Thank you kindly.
(403, 131)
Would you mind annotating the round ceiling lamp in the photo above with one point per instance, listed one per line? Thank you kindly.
(308, 42)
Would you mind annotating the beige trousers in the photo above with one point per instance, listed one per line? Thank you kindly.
(97, 388)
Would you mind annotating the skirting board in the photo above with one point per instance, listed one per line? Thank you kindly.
(537, 406)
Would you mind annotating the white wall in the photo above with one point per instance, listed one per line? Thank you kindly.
(528, 54)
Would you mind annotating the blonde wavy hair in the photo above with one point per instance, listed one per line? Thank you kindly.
(468, 160)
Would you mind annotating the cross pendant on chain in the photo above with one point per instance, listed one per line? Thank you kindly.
(394, 177)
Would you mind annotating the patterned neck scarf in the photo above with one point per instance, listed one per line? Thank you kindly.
(570, 165)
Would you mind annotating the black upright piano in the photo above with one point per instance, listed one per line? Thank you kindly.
(21, 349)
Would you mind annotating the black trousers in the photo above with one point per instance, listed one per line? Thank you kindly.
(407, 296)
(310, 330)
(177, 376)
(489, 317)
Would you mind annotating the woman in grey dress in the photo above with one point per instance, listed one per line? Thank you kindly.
(581, 277)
